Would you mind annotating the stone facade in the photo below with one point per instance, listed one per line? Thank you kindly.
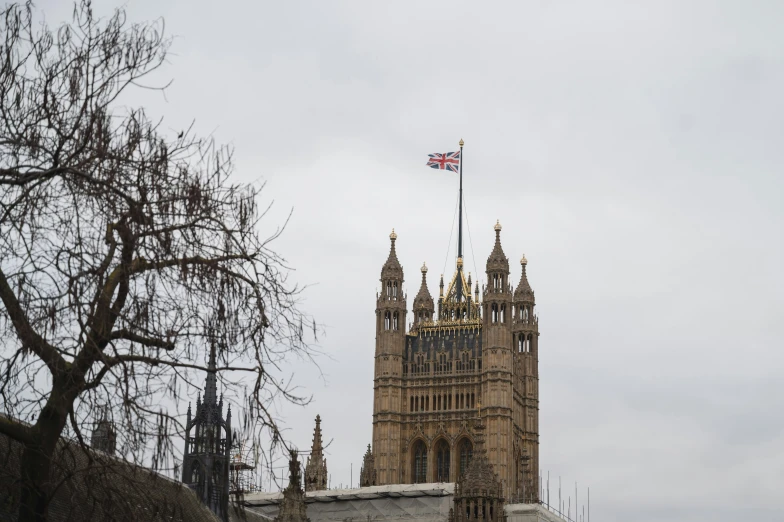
(430, 382)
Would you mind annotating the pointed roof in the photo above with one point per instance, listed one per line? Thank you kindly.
(392, 268)
(317, 448)
(367, 475)
(316, 467)
(211, 386)
(523, 292)
(497, 260)
(423, 298)
(458, 282)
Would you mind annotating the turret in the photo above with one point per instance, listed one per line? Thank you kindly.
(391, 306)
(526, 324)
(497, 295)
(525, 337)
(388, 373)
(423, 303)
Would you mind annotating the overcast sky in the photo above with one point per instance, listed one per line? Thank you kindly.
(632, 150)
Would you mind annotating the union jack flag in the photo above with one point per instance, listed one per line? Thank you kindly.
(447, 161)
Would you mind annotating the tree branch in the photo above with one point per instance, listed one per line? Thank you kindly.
(16, 430)
(29, 337)
(146, 341)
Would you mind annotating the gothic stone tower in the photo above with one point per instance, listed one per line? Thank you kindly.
(205, 465)
(431, 381)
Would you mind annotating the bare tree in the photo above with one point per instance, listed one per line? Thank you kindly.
(125, 252)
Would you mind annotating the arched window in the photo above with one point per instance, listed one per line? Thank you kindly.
(412, 405)
(520, 343)
(420, 462)
(494, 310)
(195, 473)
(503, 313)
(389, 289)
(442, 461)
(395, 318)
(387, 320)
(394, 290)
(525, 314)
(466, 452)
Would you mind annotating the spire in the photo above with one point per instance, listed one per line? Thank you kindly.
(317, 448)
(497, 261)
(211, 387)
(316, 467)
(392, 268)
(423, 300)
(523, 292)
(441, 287)
(367, 475)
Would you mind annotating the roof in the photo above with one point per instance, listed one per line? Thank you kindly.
(436, 489)
(98, 487)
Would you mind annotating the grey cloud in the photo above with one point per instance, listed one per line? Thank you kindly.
(632, 150)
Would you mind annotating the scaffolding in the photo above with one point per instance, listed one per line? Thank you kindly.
(242, 466)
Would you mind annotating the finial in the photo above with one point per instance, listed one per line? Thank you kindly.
(497, 226)
(318, 419)
(462, 142)
(459, 262)
(424, 268)
(523, 260)
(393, 236)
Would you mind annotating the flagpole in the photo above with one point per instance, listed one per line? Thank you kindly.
(460, 225)
(460, 289)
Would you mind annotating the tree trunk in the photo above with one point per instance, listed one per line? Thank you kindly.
(36, 463)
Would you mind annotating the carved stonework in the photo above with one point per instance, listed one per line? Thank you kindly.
(292, 508)
(478, 492)
(367, 476)
(316, 468)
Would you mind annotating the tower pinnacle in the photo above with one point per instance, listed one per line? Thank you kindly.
(211, 386)
(316, 467)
